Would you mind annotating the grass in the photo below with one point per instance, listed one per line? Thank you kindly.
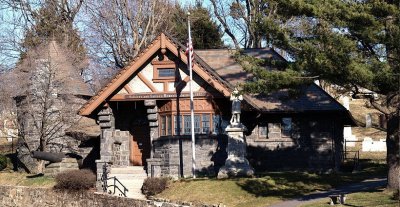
(23, 179)
(264, 190)
(378, 197)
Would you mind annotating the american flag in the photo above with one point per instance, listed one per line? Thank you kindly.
(189, 52)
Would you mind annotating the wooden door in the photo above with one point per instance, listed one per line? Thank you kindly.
(140, 144)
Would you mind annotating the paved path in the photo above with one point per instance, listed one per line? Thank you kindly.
(363, 186)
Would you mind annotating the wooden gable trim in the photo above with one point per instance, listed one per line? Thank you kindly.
(120, 78)
(147, 82)
(128, 89)
(199, 71)
(159, 43)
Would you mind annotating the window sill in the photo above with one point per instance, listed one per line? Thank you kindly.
(169, 79)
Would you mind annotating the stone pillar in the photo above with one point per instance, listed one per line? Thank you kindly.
(236, 165)
(152, 116)
(107, 126)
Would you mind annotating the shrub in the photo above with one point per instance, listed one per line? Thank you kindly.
(75, 180)
(3, 162)
(396, 195)
(153, 186)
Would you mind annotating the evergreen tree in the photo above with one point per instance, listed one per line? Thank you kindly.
(349, 43)
(53, 20)
(206, 34)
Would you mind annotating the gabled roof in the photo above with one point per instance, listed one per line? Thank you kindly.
(162, 42)
(313, 98)
(219, 68)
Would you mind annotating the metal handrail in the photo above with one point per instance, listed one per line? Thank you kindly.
(116, 186)
(105, 178)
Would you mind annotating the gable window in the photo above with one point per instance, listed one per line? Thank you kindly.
(166, 72)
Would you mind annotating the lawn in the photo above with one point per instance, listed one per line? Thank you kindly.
(23, 179)
(378, 198)
(263, 190)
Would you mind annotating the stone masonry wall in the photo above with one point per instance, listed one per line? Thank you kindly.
(18, 196)
(63, 115)
(174, 155)
(313, 144)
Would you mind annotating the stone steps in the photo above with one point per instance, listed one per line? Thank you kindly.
(132, 178)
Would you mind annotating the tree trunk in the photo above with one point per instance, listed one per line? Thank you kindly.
(392, 144)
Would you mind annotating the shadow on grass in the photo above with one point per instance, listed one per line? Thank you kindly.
(35, 176)
(285, 185)
(295, 184)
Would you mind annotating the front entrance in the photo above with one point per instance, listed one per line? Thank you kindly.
(140, 144)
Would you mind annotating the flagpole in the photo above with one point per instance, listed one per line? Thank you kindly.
(191, 99)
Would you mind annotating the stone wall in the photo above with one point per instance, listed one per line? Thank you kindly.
(17, 196)
(173, 156)
(61, 115)
(314, 143)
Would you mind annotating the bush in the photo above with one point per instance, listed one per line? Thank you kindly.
(75, 180)
(153, 186)
(3, 162)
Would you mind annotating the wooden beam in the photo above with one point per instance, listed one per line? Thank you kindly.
(147, 82)
(128, 89)
(198, 70)
(121, 78)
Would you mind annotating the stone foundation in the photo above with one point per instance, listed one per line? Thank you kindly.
(173, 156)
(66, 164)
(18, 196)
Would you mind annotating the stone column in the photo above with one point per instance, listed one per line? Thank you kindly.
(236, 165)
(106, 122)
(152, 116)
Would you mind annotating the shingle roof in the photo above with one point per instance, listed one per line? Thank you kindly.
(312, 98)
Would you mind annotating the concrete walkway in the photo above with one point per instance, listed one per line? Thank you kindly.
(358, 187)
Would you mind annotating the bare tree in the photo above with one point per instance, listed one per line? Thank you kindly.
(121, 28)
(27, 23)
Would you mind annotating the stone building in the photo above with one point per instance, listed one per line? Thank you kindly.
(144, 115)
(51, 91)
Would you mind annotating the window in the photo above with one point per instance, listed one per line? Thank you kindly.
(163, 123)
(262, 130)
(178, 125)
(286, 127)
(197, 126)
(206, 123)
(169, 125)
(216, 124)
(181, 125)
(166, 72)
(187, 124)
(274, 130)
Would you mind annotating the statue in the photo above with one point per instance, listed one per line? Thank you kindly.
(236, 110)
